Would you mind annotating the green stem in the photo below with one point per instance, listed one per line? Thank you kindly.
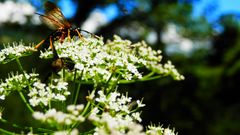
(63, 74)
(78, 89)
(86, 108)
(5, 132)
(74, 86)
(20, 93)
(140, 80)
(20, 66)
(25, 101)
(21, 69)
(24, 128)
(114, 84)
(109, 79)
(90, 132)
(148, 75)
(88, 103)
(49, 105)
(63, 106)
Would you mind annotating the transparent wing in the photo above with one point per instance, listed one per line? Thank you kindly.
(53, 12)
(50, 22)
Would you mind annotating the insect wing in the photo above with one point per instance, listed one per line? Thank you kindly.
(50, 22)
(53, 12)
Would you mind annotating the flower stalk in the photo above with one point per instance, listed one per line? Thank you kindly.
(78, 88)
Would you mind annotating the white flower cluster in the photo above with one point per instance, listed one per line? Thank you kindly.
(158, 130)
(94, 61)
(169, 68)
(99, 60)
(10, 53)
(116, 116)
(116, 125)
(59, 118)
(16, 83)
(118, 103)
(41, 93)
(15, 12)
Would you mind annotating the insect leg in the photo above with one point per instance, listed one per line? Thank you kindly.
(39, 44)
(51, 44)
(79, 34)
(69, 37)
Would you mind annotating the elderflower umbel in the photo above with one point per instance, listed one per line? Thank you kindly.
(60, 118)
(41, 93)
(17, 50)
(16, 83)
(118, 59)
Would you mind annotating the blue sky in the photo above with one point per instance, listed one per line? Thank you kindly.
(215, 8)
(111, 10)
(212, 9)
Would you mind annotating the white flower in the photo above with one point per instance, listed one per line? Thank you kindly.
(2, 97)
(61, 118)
(62, 86)
(140, 104)
(75, 109)
(168, 131)
(171, 69)
(102, 97)
(93, 115)
(42, 93)
(17, 50)
(60, 97)
(34, 101)
(119, 118)
(132, 68)
(113, 96)
(16, 82)
(136, 116)
(39, 116)
(159, 130)
(46, 54)
(124, 99)
(79, 66)
(118, 125)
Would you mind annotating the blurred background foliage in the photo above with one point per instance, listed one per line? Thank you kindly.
(206, 53)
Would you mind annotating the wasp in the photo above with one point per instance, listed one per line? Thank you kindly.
(54, 18)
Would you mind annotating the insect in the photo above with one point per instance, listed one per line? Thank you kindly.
(55, 19)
